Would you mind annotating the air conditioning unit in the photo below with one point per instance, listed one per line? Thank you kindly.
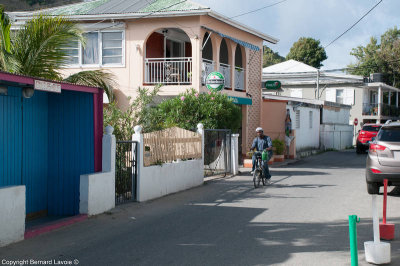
(376, 77)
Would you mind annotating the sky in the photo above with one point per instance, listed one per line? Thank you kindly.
(323, 20)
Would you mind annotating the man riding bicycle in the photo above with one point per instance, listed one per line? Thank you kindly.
(261, 143)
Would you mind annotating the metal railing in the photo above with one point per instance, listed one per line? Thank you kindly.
(217, 152)
(389, 110)
(125, 171)
(207, 66)
(239, 78)
(370, 109)
(386, 109)
(175, 70)
(226, 71)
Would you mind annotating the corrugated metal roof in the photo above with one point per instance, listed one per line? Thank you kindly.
(98, 7)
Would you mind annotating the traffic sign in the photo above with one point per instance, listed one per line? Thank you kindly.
(355, 121)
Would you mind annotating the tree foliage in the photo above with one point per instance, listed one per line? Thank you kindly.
(215, 110)
(37, 50)
(271, 58)
(141, 111)
(308, 51)
(380, 57)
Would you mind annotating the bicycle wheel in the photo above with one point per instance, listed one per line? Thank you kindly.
(257, 178)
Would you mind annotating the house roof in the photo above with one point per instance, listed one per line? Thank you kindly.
(289, 66)
(293, 72)
(304, 100)
(128, 9)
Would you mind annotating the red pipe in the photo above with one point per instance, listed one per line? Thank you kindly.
(385, 183)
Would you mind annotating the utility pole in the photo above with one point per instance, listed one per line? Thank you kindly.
(317, 84)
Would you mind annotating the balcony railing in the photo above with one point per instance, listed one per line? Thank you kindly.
(239, 78)
(386, 110)
(176, 70)
(226, 71)
(370, 109)
(207, 66)
(390, 110)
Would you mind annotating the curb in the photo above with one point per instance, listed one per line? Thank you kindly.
(41, 229)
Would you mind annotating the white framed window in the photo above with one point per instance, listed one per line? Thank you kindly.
(102, 48)
(297, 118)
(339, 96)
(310, 118)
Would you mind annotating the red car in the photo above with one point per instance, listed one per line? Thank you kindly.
(365, 135)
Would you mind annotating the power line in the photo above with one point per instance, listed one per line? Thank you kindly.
(354, 24)
(258, 9)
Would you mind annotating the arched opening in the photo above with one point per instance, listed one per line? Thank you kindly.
(224, 66)
(239, 69)
(207, 64)
(207, 52)
(168, 57)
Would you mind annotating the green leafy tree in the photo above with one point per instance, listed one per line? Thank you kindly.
(215, 110)
(380, 57)
(308, 51)
(271, 58)
(36, 50)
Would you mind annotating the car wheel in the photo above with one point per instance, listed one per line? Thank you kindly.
(358, 149)
(372, 188)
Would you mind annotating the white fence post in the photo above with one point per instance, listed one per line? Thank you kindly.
(109, 148)
(138, 136)
(200, 130)
(97, 190)
(235, 153)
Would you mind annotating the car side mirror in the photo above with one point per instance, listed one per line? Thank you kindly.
(373, 139)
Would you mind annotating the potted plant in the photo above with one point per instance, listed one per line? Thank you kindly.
(279, 148)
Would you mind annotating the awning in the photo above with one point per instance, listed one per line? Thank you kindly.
(241, 101)
(242, 43)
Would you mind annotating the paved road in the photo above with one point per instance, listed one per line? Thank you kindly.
(301, 219)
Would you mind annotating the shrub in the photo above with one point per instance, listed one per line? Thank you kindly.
(213, 109)
(279, 146)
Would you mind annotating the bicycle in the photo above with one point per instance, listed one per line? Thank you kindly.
(258, 175)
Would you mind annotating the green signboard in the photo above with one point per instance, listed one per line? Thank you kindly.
(273, 85)
(240, 100)
(215, 81)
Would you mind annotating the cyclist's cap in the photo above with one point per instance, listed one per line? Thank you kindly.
(259, 129)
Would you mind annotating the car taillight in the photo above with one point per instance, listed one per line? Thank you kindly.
(376, 147)
(376, 171)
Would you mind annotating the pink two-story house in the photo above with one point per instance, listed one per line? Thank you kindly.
(172, 42)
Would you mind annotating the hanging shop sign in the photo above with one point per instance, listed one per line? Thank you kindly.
(272, 85)
(215, 81)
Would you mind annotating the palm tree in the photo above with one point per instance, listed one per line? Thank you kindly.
(37, 50)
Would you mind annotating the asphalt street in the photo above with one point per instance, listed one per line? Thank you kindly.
(300, 219)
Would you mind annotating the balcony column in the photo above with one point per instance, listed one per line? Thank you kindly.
(378, 121)
(397, 99)
(233, 65)
(390, 96)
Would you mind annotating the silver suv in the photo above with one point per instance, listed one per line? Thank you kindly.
(383, 161)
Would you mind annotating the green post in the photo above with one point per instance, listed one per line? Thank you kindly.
(353, 239)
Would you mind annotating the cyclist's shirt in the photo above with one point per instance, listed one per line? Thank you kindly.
(261, 144)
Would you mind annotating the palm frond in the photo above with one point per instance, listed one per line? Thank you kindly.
(38, 46)
(5, 41)
(95, 78)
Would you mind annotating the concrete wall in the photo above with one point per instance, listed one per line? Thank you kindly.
(306, 138)
(273, 114)
(97, 191)
(160, 180)
(12, 214)
(335, 115)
